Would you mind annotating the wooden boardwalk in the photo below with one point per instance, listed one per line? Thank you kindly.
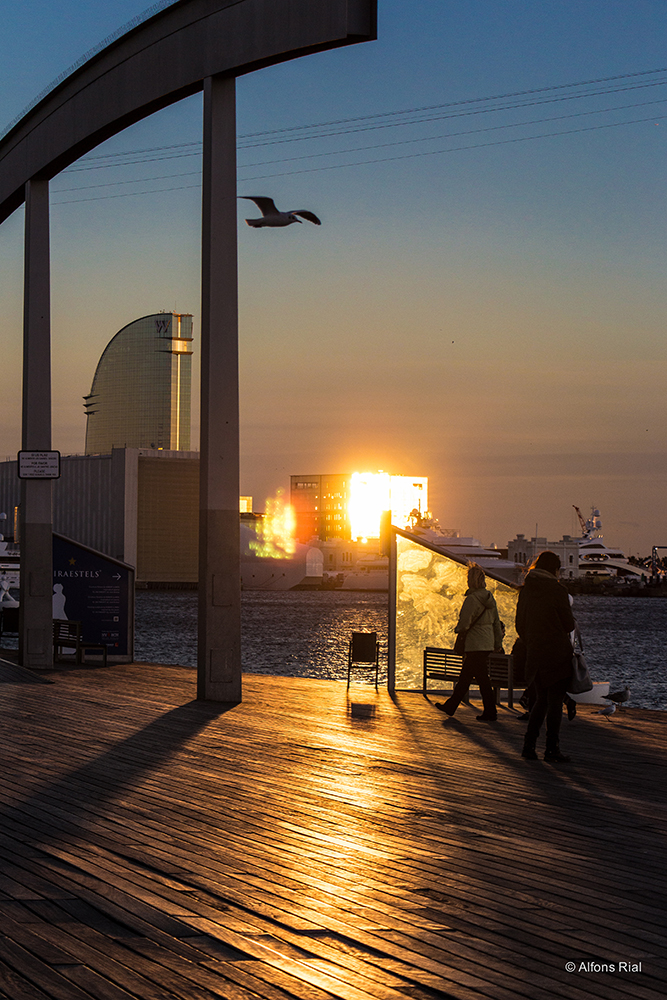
(316, 844)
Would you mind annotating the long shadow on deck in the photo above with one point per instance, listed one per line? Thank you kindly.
(601, 801)
(104, 778)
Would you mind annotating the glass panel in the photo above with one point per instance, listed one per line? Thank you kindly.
(430, 588)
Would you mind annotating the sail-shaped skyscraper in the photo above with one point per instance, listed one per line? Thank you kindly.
(140, 397)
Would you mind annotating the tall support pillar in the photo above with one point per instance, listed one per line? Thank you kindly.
(36, 614)
(219, 634)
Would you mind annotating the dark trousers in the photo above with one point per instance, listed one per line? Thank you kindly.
(529, 697)
(549, 703)
(475, 668)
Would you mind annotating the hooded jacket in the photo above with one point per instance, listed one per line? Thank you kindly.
(486, 633)
(544, 622)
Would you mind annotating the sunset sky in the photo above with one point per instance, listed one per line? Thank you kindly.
(485, 301)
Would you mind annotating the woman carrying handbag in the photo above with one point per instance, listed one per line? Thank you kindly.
(479, 632)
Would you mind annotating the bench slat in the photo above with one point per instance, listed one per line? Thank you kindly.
(67, 634)
(445, 664)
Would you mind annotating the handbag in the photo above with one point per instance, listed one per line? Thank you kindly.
(580, 681)
(460, 643)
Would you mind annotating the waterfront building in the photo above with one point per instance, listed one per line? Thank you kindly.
(522, 550)
(320, 506)
(347, 506)
(584, 557)
(141, 506)
(140, 396)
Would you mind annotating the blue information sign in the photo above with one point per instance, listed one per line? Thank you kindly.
(96, 590)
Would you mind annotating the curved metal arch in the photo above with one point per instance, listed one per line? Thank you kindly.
(162, 61)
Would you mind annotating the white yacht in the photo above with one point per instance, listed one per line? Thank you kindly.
(598, 559)
(466, 548)
(372, 572)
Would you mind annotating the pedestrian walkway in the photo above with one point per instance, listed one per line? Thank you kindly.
(316, 843)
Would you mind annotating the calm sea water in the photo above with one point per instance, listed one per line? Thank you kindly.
(304, 634)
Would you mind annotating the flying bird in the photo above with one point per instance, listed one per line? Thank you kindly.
(272, 217)
(607, 711)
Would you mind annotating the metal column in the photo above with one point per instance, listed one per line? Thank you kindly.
(36, 615)
(219, 635)
(391, 630)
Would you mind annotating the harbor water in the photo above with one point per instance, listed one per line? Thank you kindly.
(306, 634)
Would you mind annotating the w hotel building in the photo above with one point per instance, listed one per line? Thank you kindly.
(140, 397)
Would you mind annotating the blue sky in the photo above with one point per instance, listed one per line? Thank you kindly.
(492, 316)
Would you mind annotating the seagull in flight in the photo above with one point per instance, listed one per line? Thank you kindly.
(272, 217)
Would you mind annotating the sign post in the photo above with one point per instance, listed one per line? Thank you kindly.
(39, 465)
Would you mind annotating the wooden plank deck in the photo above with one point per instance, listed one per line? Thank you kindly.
(313, 843)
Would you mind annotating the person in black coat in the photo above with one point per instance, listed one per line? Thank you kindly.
(544, 621)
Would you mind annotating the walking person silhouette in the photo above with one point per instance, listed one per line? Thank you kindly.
(544, 621)
(479, 620)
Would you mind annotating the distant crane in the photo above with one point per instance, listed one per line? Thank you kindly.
(584, 529)
(593, 524)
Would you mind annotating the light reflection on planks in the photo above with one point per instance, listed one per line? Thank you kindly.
(315, 843)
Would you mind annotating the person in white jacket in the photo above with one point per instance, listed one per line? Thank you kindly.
(479, 620)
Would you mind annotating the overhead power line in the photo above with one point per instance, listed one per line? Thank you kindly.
(456, 149)
(451, 135)
(382, 120)
(471, 100)
(386, 159)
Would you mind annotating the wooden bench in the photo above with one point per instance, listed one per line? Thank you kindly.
(445, 665)
(501, 672)
(67, 635)
(441, 665)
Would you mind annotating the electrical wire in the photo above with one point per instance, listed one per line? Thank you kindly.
(471, 100)
(387, 159)
(456, 149)
(451, 135)
(178, 150)
(462, 114)
(241, 145)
